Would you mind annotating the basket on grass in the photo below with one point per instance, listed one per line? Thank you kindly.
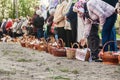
(50, 44)
(22, 42)
(59, 51)
(42, 45)
(70, 52)
(109, 57)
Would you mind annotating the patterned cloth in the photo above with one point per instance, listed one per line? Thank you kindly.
(98, 11)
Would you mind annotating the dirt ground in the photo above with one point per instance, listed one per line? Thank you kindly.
(18, 63)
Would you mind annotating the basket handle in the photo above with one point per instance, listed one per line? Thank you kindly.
(61, 42)
(106, 44)
(43, 39)
(75, 44)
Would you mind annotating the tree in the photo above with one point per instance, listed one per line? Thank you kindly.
(15, 8)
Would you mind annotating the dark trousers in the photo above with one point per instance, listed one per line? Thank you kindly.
(73, 24)
(39, 33)
(94, 40)
(109, 33)
(68, 38)
(61, 33)
(1, 34)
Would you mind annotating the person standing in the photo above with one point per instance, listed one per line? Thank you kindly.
(38, 23)
(72, 18)
(59, 20)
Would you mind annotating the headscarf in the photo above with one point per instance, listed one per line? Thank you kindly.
(39, 12)
(79, 6)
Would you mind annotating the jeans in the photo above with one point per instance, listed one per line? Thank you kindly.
(109, 33)
(39, 33)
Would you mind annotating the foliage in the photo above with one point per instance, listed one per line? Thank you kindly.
(16, 8)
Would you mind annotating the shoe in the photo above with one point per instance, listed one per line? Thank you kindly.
(98, 60)
(94, 58)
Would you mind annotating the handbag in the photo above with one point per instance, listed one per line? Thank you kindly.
(83, 53)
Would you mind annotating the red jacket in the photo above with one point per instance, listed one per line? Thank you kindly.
(9, 25)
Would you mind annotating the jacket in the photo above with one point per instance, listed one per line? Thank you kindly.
(59, 17)
(38, 22)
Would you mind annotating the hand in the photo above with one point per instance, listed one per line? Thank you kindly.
(83, 42)
(100, 54)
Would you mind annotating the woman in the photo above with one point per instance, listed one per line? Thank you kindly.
(98, 12)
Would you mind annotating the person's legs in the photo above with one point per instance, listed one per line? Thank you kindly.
(74, 30)
(68, 38)
(109, 34)
(61, 33)
(94, 41)
(39, 33)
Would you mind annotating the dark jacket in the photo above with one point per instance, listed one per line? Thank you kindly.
(38, 22)
(71, 15)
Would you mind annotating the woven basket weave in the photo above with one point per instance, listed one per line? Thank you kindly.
(108, 57)
(70, 52)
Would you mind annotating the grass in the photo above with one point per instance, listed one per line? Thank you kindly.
(24, 60)
(64, 70)
(117, 36)
(75, 72)
(67, 70)
(2, 71)
(59, 78)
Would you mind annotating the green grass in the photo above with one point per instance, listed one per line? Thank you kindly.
(75, 72)
(117, 36)
(59, 78)
(24, 60)
(64, 70)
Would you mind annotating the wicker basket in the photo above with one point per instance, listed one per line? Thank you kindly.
(108, 57)
(70, 52)
(36, 46)
(119, 59)
(49, 45)
(59, 51)
(50, 41)
(31, 45)
(42, 47)
(22, 44)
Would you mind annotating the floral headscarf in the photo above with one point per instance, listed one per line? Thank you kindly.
(79, 6)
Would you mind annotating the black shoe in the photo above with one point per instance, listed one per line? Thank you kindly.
(94, 58)
(98, 60)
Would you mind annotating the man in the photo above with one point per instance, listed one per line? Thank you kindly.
(38, 23)
(108, 31)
